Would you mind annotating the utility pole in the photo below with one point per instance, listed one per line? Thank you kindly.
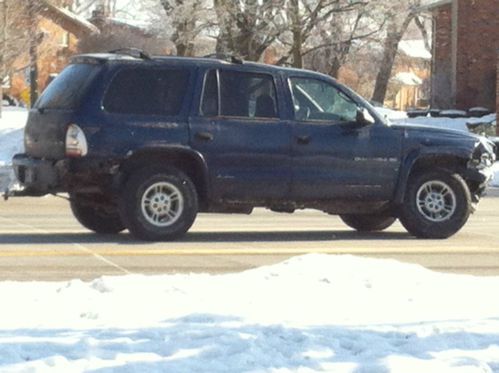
(33, 52)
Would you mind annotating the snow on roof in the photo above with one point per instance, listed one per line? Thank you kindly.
(414, 49)
(407, 78)
(432, 4)
(68, 20)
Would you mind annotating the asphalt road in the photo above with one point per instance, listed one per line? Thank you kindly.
(40, 240)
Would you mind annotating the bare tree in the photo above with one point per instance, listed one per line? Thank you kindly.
(313, 22)
(186, 23)
(248, 27)
(18, 34)
(398, 15)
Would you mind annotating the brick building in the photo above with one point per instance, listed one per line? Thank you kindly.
(465, 54)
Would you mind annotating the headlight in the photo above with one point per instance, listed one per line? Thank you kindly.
(76, 142)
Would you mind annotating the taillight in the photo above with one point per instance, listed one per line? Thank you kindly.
(76, 142)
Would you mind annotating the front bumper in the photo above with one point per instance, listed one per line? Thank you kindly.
(38, 176)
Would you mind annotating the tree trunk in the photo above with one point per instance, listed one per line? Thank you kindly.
(390, 49)
(296, 48)
(33, 53)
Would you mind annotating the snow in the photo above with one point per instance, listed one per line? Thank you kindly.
(390, 113)
(407, 78)
(414, 49)
(309, 314)
(11, 141)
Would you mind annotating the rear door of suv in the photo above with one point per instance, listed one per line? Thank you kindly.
(238, 129)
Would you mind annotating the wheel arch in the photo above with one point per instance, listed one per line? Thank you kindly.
(185, 159)
(416, 161)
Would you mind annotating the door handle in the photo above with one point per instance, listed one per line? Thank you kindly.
(206, 136)
(303, 140)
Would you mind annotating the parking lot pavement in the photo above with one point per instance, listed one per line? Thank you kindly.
(40, 240)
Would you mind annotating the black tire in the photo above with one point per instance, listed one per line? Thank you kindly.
(96, 213)
(368, 223)
(158, 204)
(441, 212)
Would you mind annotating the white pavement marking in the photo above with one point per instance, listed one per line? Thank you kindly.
(77, 245)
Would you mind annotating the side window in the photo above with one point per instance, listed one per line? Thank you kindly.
(247, 95)
(147, 91)
(318, 100)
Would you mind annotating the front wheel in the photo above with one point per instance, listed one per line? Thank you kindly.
(436, 204)
(368, 223)
(158, 204)
(97, 213)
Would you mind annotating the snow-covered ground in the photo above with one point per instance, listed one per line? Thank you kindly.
(309, 314)
(11, 141)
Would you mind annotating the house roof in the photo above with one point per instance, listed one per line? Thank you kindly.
(414, 49)
(407, 78)
(432, 4)
(68, 20)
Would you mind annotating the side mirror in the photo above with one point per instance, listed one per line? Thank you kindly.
(364, 118)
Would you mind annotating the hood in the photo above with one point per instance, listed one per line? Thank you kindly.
(422, 129)
(446, 140)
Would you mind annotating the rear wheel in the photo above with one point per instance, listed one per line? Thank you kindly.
(368, 223)
(158, 203)
(437, 204)
(97, 213)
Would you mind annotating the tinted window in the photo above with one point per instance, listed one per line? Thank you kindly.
(317, 100)
(147, 91)
(65, 91)
(242, 95)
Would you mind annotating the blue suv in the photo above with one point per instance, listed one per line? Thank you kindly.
(145, 143)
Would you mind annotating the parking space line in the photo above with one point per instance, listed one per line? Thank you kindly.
(82, 248)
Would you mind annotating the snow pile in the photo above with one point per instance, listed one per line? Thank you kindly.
(495, 170)
(311, 313)
(391, 114)
(11, 141)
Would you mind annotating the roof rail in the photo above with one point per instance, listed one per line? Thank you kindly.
(226, 57)
(133, 52)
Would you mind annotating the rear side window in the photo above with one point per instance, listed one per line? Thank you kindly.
(66, 91)
(147, 92)
(247, 95)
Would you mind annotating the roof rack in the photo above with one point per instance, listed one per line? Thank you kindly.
(133, 52)
(226, 57)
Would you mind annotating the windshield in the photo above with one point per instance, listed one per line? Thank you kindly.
(65, 91)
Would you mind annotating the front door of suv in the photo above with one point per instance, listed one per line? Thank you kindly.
(333, 155)
(238, 130)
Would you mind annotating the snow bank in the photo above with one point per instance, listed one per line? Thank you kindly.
(495, 170)
(390, 113)
(11, 141)
(310, 313)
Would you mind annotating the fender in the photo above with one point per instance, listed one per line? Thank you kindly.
(457, 154)
(162, 152)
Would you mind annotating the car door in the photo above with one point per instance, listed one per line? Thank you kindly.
(239, 132)
(335, 155)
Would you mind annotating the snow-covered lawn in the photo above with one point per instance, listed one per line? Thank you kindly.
(11, 141)
(311, 313)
